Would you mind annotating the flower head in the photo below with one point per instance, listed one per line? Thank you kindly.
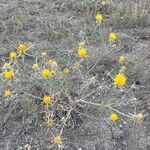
(122, 58)
(53, 64)
(57, 140)
(50, 121)
(120, 79)
(47, 99)
(46, 73)
(139, 116)
(12, 55)
(6, 66)
(8, 74)
(22, 48)
(112, 36)
(35, 66)
(30, 43)
(66, 70)
(82, 52)
(123, 68)
(113, 117)
(7, 93)
(99, 17)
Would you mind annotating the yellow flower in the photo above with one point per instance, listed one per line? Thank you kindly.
(57, 140)
(122, 58)
(46, 73)
(22, 48)
(66, 70)
(120, 79)
(82, 52)
(99, 17)
(12, 55)
(113, 117)
(8, 74)
(7, 93)
(50, 121)
(35, 66)
(47, 99)
(112, 36)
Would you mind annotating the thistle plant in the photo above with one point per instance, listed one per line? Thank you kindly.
(56, 83)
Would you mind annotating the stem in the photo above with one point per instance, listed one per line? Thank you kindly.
(107, 106)
(98, 62)
(32, 95)
(68, 115)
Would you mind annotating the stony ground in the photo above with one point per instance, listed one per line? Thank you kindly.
(55, 25)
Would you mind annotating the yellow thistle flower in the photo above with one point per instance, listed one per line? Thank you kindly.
(22, 48)
(57, 140)
(50, 121)
(99, 17)
(66, 70)
(46, 73)
(7, 93)
(113, 117)
(12, 55)
(122, 58)
(8, 74)
(35, 66)
(47, 99)
(120, 79)
(82, 52)
(112, 36)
